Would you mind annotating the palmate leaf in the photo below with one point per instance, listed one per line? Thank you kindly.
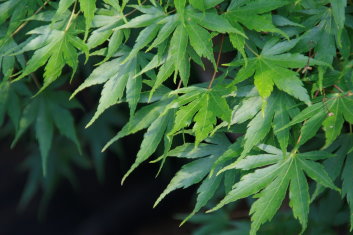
(255, 15)
(322, 37)
(151, 117)
(55, 48)
(104, 21)
(276, 114)
(203, 106)
(272, 67)
(270, 184)
(206, 155)
(117, 77)
(179, 33)
(330, 113)
(279, 108)
(42, 111)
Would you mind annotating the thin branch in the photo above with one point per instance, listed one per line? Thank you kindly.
(217, 64)
(35, 80)
(71, 17)
(26, 22)
(131, 12)
(179, 84)
(338, 88)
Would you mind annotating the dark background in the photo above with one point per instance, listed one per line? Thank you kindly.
(93, 207)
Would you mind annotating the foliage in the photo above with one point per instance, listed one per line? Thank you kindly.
(275, 118)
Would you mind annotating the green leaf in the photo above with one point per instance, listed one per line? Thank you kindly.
(263, 80)
(205, 119)
(133, 92)
(165, 31)
(317, 172)
(144, 38)
(213, 22)
(281, 118)
(205, 192)
(43, 112)
(347, 183)
(184, 115)
(238, 43)
(58, 49)
(44, 134)
(150, 142)
(299, 195)
(259, 126)
(180, 5)
(207, 105)
(274, 180)
(333, 123)
(88, 7)
(201, 41)
(141, 120)
(270, 199)
(198, 4)
(191, 173)
(65, 123)
(247, 110)
(177, 49)
(250, 184)
(338, 12)
(256, 161)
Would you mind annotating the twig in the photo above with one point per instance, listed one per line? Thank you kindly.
(131, 12)
(35, 80)
(179, 84)
(71, 17)
(217, 63)
(338, 88)
(26, 22)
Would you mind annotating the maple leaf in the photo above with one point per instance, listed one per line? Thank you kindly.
(52, 47)
(330, 113)
(273, 67)
(255, 15)
(271, 183)
(203, 106)
(204, 157)
(117, 77)
(42, 111)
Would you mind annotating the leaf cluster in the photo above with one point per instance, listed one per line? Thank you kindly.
(274, 120)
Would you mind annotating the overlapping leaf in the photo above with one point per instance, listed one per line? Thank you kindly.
(43, 113)
(117, 77)
(330, 113)
(179, 30)
(255, 15)
(273, 67)
(203, 106)
(206, 155)
(54, 49)
(270, 183)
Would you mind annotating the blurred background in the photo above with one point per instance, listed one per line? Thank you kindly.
(81, 193)
(85, 200)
